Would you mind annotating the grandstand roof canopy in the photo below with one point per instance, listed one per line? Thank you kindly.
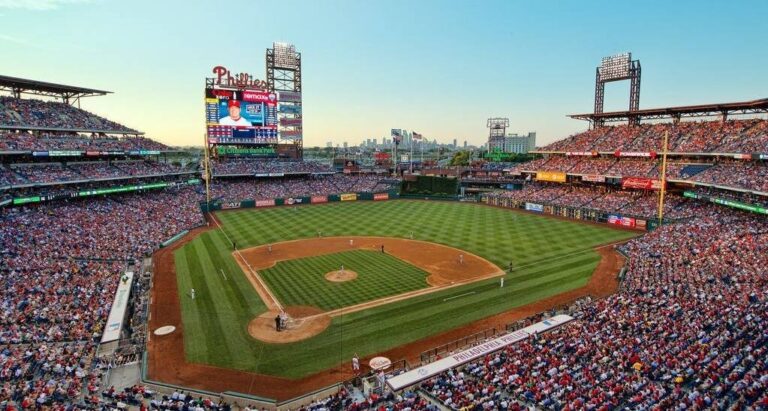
(702, 110)
(19, 86)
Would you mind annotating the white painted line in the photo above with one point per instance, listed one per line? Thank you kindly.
(458, 296)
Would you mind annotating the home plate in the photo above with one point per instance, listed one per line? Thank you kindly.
(165, 330)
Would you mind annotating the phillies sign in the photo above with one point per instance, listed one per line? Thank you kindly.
(240, 80)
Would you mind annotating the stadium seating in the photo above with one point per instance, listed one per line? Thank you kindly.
(28, 142)
(52, 114)
(733, 136)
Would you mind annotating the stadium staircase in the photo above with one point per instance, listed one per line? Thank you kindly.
(692, 169)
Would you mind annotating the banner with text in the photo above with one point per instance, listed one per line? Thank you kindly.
(641, 183)
(554, 176)
(348, 197)
(416, 375)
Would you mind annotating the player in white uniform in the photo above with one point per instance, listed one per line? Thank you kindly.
(234, 118)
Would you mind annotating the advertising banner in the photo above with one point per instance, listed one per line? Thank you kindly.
(54, 153)
(230, 205)
(246, 151)
(641, 224)
(582, 153)
(380, 196)
(290, 96)
(651, 154)
(641, 183)
(119, 307)
(290, 133)
(416, 375)
(554, 176)
(742, 156)
(622, 221)
(595, 178)
(289, 109)
(259, 97)
(534, 207)
(265, 203)
(294, 200)
(319, 199)
(288, 122)
(348, 197)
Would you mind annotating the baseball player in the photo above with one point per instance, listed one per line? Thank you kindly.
(461, 258)
(192, 293)
(356, 364)
(234, 118)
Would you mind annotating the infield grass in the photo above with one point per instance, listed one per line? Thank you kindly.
(302, 281)
(550, 256)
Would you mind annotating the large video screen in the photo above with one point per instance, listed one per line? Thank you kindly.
(245, 115)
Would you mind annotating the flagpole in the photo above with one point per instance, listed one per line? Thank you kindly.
(410, 158)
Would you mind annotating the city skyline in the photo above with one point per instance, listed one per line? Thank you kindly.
(440, 68)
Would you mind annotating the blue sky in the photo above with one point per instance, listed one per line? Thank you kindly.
(438, 67)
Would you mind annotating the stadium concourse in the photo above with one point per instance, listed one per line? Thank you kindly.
(687, 330)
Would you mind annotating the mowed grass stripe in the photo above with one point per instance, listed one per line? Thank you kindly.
(550, 256)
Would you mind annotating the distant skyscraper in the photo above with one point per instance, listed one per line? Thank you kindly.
(454, 143)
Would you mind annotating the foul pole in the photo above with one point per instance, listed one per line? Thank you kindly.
(207, 171)
(663, 178)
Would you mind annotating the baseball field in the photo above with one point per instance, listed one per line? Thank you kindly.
(441, 269)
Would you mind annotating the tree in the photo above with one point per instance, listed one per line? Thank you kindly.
(460, 158)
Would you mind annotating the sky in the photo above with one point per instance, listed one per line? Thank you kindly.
(441, 68)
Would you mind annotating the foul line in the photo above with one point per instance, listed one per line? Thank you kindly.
(253, 272)
(458, 296)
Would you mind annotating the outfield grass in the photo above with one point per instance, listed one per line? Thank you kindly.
(302, 281)
(550, 256)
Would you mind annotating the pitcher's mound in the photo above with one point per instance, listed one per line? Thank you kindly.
(304, 322)
(339, 276)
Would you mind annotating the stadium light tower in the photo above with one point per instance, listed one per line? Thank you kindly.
(284, 78)
(498, 130)
(617, 68)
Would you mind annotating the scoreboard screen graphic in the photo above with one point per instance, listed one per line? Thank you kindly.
(241, 114)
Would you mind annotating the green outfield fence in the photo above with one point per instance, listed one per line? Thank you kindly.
(299, 200)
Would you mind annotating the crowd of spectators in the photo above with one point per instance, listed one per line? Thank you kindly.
(74, 141)
(732, 136)
(264, 189)
(38, 173)
(249, 166)
(748, 175)
(60, 264)
(52, 114)
(686, 331)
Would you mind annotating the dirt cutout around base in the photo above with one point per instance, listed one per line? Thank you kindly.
(304, 322)
(339, 276)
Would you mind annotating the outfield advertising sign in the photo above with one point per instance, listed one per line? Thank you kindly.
(534, 207)
(380, 196)
(230, 205)
(348, 197)
(318, 199)
(265, 203)
(622, 221)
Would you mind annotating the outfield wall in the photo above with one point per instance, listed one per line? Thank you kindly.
(575, 213)
(315, 199)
